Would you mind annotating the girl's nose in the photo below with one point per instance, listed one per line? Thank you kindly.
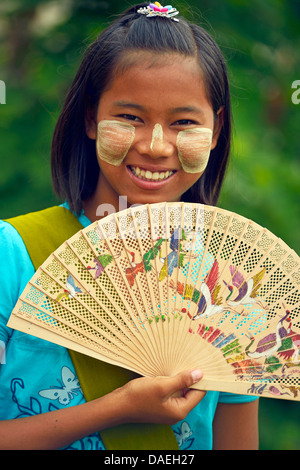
(155, 145)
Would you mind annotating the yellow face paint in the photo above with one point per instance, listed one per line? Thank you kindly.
(194, 149)
(114, 139)
(157, 137)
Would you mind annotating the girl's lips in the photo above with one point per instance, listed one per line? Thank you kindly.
(139, 176)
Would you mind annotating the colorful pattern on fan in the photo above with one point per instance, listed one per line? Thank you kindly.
(165, 287)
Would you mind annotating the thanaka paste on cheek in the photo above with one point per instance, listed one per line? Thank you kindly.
(194, 147)
(114, 139)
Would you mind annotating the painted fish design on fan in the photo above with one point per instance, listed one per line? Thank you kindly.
(71, 290)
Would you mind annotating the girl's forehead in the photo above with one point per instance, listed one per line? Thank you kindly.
(157, 82)
(155, 75)
(145, 60)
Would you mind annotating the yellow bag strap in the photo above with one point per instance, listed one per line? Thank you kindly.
(43, 232)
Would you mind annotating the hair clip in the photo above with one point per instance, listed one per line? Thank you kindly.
(156, 9)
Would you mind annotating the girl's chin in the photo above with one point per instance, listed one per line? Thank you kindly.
(151, 198)
(123, 184)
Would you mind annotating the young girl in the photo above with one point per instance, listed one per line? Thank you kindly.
(147, 118)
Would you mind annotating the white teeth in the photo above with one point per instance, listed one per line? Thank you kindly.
(149, 176)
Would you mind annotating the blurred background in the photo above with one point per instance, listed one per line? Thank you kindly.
(41, 44)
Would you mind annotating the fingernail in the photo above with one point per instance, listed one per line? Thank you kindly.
(196, 375)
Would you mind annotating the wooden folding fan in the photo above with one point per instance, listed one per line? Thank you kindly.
(171, 286)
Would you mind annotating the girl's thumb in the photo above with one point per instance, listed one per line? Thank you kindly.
(187, 378)
(196, 376)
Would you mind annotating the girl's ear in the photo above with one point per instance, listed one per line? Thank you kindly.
(90, 122)
(219, 120)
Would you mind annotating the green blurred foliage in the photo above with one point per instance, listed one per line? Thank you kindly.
(41, 44)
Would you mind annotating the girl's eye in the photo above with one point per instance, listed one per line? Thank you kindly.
(185, 122)
(129, 117)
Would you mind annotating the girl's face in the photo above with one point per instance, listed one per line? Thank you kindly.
(142, 150)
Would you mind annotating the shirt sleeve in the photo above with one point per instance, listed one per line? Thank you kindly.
(16, 269)
(234, 398)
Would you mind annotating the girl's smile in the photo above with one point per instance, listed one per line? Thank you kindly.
(151, 175)
(148, 170)
(148, 178)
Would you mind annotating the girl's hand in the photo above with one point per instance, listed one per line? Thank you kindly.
(163, 400)
(141, 400)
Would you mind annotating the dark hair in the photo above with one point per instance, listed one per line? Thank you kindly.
(75, 168)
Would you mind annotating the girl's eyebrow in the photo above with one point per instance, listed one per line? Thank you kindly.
(179, 109)
(125, 104)
(187, 109)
